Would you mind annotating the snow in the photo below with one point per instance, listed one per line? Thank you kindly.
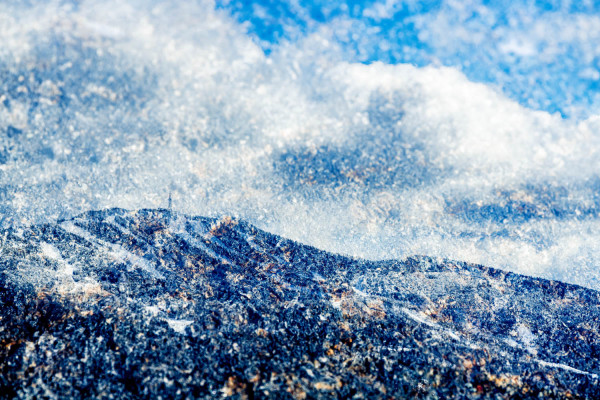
(465, 139)
(117, 252)
(178, 325)
(527, 338)
(566, 367)
(50, 251)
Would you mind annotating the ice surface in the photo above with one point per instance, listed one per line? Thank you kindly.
(474, 136)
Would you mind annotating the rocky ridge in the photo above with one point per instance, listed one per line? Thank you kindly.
(155, 304)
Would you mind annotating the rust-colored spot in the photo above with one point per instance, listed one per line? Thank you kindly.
(323, 386)
(261, 332)
(222, 226)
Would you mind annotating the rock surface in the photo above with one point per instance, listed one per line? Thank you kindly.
(154, 304)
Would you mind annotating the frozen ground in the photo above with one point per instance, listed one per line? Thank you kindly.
(461, 129)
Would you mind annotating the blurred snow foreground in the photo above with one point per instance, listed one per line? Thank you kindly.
(124, 104)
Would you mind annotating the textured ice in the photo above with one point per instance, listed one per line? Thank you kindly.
(460, 129)
(250, 314)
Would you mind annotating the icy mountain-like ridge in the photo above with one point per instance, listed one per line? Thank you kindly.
(120, 103)
(148, 303)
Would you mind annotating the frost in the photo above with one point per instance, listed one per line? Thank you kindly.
(527, 338)
(178, 325)
(117, 252)
(566, 367)
(50, 251)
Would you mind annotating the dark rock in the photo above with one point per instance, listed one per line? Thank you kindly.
(150, 303)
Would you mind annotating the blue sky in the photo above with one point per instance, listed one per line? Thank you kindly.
(543, 54)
